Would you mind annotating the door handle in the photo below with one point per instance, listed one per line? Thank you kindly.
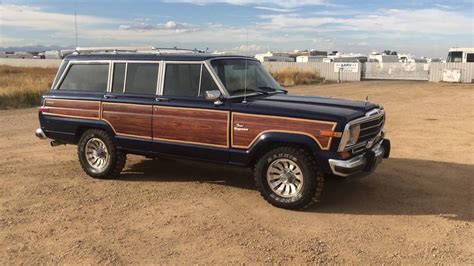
(110, 96)
(161, 99)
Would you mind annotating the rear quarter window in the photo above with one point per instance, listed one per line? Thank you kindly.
(86, 77)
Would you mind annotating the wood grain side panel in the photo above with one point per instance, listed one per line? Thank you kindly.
(246, 128)
(132, 120)
(194, 126)
(73, 108)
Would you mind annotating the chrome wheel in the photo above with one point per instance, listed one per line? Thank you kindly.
(97, 154)
(285, 178)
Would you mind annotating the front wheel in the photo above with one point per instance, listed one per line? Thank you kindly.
(288, 177)
(99, 156)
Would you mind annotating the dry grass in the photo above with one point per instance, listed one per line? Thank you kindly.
(22, 87)
(292, 76)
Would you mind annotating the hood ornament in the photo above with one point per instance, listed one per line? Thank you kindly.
(366, 100)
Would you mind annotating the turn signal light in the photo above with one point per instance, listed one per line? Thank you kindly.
(329, 134)
(345, 155)
(43, 109)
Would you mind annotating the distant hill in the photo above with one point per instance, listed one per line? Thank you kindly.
(34, 48)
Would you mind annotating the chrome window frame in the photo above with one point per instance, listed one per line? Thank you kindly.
(221, 85)
(83, 62)
(56, 77)
(126, 62)
(203, 64)
(161, 72)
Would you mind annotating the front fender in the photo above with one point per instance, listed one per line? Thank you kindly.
(269, 139)
(281, 137)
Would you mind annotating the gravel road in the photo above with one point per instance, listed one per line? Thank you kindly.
(416, 208)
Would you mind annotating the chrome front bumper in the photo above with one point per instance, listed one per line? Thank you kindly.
(40, 134)
(365, 162)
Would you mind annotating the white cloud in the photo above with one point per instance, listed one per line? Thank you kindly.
(37, 19)
(168, 26)
(423, 21)
(252, 48)
(283, 10)
(281, 3)
(379, 29)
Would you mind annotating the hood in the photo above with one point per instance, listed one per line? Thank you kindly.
(318, 108)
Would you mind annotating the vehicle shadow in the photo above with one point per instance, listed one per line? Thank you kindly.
(398, 187)
(405, 187)
(171, 170)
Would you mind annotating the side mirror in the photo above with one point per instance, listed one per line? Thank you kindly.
(213, 95)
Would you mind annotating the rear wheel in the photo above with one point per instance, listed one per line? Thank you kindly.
(287, 177)
(98, 154)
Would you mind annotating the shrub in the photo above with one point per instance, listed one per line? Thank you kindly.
(292, 76)
(22, 87)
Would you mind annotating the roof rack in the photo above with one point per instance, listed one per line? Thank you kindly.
(143, 49)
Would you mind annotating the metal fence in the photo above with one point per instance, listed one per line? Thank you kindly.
(454, 72)
(396, 71)
(435, 72)
(329, 71)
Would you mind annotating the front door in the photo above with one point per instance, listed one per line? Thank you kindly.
(128, 107)
(185, 123)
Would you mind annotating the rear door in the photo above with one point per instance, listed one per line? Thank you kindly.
(75, 98)
(128, 106)
(184, 122)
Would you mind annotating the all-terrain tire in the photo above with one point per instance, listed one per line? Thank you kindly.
(311, 187)
(116, 158)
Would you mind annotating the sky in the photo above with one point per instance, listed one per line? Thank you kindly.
(418, 27)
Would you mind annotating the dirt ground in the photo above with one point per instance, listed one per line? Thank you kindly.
(416, 208)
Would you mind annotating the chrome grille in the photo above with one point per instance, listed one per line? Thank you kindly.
(371, 130)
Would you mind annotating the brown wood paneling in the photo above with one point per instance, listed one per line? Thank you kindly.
(246, 128)
(132, 120)
(73, 108)
(191, 125)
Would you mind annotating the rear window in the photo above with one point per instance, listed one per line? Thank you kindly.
(86, 77)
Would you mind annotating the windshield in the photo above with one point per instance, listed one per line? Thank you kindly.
(240, 77)
(454, 57)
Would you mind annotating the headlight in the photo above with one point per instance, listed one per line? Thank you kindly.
(354, 132)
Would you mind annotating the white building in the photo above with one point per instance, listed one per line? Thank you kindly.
(345, 57)
(306, 58)
(382, 58)
(274, 57)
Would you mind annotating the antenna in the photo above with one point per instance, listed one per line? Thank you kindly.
(75, 26)
(246, 66)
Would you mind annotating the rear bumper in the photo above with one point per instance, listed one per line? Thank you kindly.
(366, 162)
(40, 134)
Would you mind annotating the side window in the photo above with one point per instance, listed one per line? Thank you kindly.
(470, 58)
(86, 77)
(119, 75)
(207, 82)
(141, 78)
(182, 80)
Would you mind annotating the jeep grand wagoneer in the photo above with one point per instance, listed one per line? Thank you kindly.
(216, 108)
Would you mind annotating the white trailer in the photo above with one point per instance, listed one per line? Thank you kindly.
(460, 55)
